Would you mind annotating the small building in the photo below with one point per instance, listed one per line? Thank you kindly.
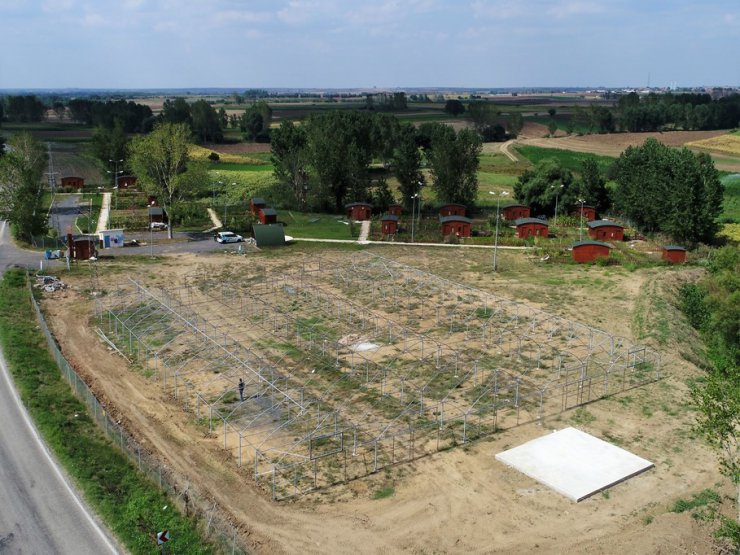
(395, 210)
(157, 214)
(452, 209)
(268, 235)
(531, 227)
(82, 247)
(588, 251)
(589, 212)
(513, 212)
(456, 225)
(256, 204)
(267, 216)
(389, 224)
(111, 238)
(359, 211)
(674, 254)
(606, 230)
(73, 182)
(126, 181)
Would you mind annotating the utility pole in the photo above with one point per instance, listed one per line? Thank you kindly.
(51, 176)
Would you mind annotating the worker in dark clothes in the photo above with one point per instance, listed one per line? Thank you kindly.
(241, 389)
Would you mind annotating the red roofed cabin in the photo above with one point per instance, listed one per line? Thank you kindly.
(82, 247)
(531, 227)
(395, 209)
(126, 181)
(515, 211)
(267, 216)
(589, 213)
(588, 251)
(456, 225)
(359, 211)
(76, 182)
(606, 230)
(389, 224)
(452, 210)
(256, 204)
(674, 254)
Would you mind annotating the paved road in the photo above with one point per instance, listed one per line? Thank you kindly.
(66, 209)
(39, 511)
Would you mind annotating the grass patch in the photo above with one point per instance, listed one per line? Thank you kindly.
(384, 492)
(701, 499)
(566, 158)
(582, 416)
(318, 226)
(129, 503)
(731, 204)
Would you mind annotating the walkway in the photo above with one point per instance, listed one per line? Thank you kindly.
(405, 244)
(214, 219)
(364, 232)
(505, 149)
(104, 215)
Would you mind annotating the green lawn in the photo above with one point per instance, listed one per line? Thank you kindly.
(731, 206)
(87, 222)
(567, 158)
(241, 167)
(317, 226)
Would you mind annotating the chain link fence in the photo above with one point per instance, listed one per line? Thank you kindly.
(204, 511)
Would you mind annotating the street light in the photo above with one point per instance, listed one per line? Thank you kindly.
(151, 230)
(115, 173)
(413, 213)
(580, 232)
(495, 240)
(557, 192)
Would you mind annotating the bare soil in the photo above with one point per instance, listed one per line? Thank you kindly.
(461, 500)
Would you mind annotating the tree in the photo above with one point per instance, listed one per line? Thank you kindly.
(454, 107)
(252, 126)
(484, 116)
(592, 186)
(545, 185)
(552, 127)
(670, 190)
(109, 144)
(552, 112)
(25, 108)
(454, 160)
(515, 124)
(160, 160)
(206, 122)
(176, 111)
(59, 109)
(290, 160)
(406, 164)
(21, 170)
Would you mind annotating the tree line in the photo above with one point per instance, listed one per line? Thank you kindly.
(328, 160)
(658, 189)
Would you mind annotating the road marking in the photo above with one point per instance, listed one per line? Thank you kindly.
(52, 462)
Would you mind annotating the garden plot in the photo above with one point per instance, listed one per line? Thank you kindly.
(439, 364)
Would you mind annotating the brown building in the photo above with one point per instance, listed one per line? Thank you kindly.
(389, 224)
(395, 209)
(359, 211)
(76, 182)
(531, 227)
(82, 247)
(267, 216)
(515, 211)
(674, 254)
(456, 225)
(588, 251)
(606, 230)
(126, 181)
(157, 214)
(256, 204)
(589, 213)
(452, 210)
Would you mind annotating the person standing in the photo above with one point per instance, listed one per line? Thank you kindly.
(241, 389)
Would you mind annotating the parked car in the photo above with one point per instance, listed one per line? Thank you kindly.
(158, 226)
(228, 237)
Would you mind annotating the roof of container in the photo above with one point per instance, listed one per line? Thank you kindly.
(269, 211)
(389, 217)
(604, 223)
(674, 248)
(591, 243)
(351, 204)
(258, 200)
(462, 219)
(523, 221)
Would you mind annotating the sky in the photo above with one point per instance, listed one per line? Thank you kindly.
(382, 43)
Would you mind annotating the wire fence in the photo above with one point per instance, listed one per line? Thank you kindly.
(204, 511)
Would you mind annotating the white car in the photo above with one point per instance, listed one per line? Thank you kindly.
(158, 226)
(228, 237)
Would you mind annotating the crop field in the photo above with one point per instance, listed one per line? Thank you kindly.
(566, 158)
(725, 144)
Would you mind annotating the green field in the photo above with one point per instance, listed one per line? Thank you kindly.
(242, 167)
(88, 222)
(566, 158)
(731, 206)
(317, 226)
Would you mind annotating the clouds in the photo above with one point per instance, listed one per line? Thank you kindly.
(334, 43)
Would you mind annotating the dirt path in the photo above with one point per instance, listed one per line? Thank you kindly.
(456, 501)
(505, 149)
(104, 213)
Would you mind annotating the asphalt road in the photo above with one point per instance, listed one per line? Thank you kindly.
(39, 511)
(65, 211)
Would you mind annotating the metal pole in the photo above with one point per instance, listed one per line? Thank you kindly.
(495, 242)
(580, 232)
(413, 216)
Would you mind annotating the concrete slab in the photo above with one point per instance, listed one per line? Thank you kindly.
(574, 463)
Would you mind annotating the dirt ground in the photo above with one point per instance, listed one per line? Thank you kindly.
(458, 501)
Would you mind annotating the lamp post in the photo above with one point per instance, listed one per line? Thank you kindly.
(557, 192)
(413, 213)
(151, 230)
(495, 240)
(580, 231)
(115, 173)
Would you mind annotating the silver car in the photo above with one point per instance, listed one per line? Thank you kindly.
(228, 237)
